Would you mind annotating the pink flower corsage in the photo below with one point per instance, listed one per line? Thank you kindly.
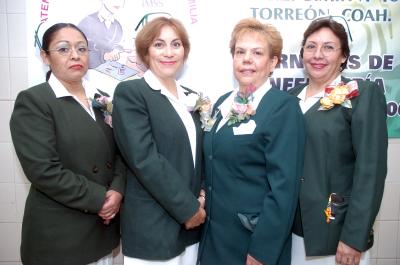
(103, 102)
(242, 107)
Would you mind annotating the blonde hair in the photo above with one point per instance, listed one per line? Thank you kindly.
(270, 33)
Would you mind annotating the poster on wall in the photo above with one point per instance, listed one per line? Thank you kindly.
(111, 26)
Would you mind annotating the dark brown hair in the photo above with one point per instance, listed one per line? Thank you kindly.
(48, 37)
(337, 29)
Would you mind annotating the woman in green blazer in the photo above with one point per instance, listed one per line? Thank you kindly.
(160, 139)
(253, 158)
(345, 155)
(68, 153)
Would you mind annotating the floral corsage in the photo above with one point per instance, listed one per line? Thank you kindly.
(339, 94)
(242, 107)
(103, 102)
(204, 106)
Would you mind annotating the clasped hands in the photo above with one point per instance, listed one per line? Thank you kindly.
(110, 206)
(200, 216)
(113, 200)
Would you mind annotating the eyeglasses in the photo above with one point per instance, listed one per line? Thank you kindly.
(326, 49)
(66, 50)
(81, 49)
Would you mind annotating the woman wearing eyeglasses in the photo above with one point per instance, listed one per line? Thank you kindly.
(345, 155)
(68, 154)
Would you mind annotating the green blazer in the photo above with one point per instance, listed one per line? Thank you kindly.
(252, 183)
(346, 154)
(71, 161)
(162, 184)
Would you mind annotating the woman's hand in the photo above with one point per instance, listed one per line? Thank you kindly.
(346, 255)
(202, 199)
(110, 206)
(252, 261)
(113, 55)
(197, 219)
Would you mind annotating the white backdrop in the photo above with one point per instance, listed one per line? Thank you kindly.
(374, 26)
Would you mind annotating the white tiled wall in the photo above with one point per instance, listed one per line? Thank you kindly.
(14, 186)
(3, 33)
(5, 91)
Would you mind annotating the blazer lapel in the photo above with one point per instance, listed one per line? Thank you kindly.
(105, 129)
(170, 111)
(314, 108)
(296, 91)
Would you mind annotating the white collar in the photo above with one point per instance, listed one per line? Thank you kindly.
(302, 94)
(105, 17)
(336, 81)
(60, 90)
(225, 107)
(155, 84)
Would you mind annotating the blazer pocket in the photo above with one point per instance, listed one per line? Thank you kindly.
(249, 220)
(339, 208)
(248, 139)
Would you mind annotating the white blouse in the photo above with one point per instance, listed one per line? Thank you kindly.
(179, 106)
(60, 91)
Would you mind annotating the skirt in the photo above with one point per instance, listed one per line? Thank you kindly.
(107, 260)
(188, 257)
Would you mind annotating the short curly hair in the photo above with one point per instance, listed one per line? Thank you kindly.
(271, 34)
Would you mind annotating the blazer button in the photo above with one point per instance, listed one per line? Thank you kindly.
(109, 165)
(302, 179)
(95, 169)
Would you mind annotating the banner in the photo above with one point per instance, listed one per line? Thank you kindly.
(373, 26)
